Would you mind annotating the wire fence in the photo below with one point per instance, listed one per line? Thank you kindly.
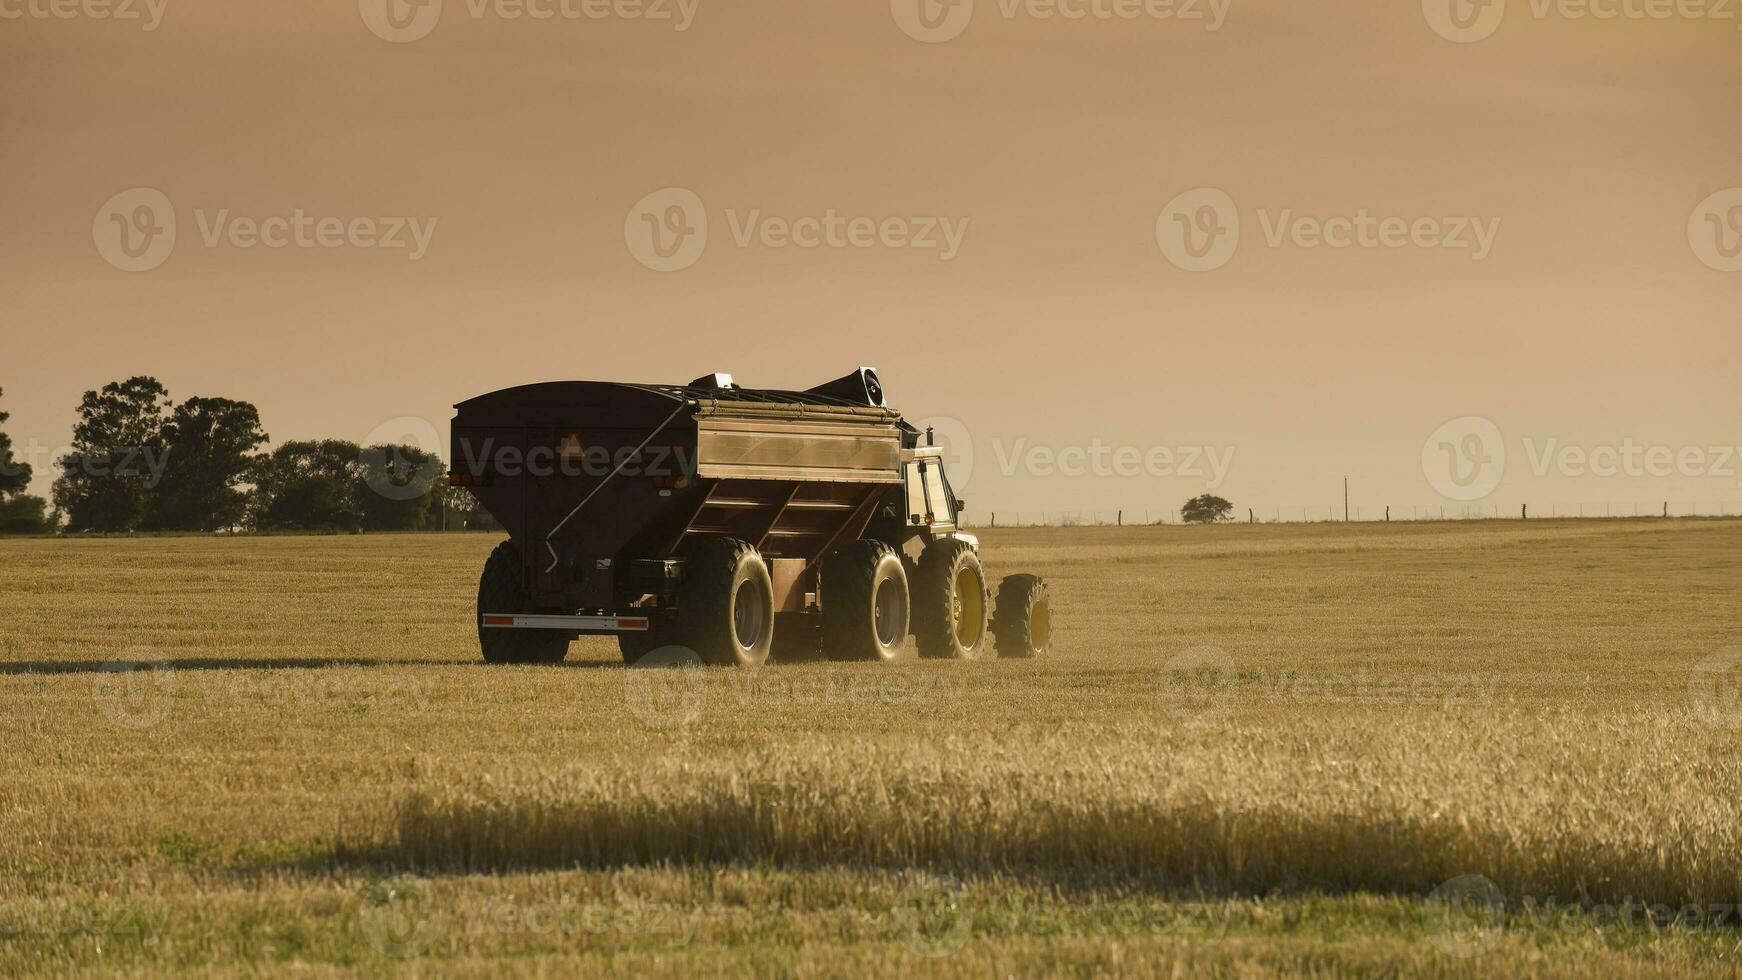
(1328, 514)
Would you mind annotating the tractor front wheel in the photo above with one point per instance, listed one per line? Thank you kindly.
(1022, 622)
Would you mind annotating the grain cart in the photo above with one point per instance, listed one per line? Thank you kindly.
(732, 521)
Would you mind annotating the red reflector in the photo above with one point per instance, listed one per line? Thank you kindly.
(498, 620)
(632, 622)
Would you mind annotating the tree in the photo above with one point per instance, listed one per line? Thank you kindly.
(116, 458)
(307, 486)
(14, 473)
(1205, 509)
(20, 513)
(208, 446)
(25, 514)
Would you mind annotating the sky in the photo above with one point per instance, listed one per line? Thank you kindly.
(1470, 256)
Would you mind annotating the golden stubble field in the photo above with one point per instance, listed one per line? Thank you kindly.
(1424, 749)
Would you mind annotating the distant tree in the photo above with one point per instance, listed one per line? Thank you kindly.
(209, 446)
(1205, 509)
(20, 513)
(116, 458)
(309, 485)
(399, 488)
(14, 472)
(24, 514)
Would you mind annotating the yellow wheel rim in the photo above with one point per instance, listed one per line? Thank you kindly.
(970, 602)
(1039, 626)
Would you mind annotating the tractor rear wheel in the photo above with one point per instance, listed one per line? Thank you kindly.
(1022, 621)
(501, 589)
(949, 602)
(865, 602)
(726, 604)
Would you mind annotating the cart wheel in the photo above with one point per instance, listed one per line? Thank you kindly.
(726, 604)
(949, 602)
(1022, 622)
(500, 590)
(865, 602)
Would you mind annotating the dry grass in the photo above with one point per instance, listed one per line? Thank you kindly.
(1232, 812)
(1310, 728)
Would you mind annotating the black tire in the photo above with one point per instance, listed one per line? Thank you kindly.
(949, 602)
(501, 590)
(726, 604)
(1022, 621)
(865, 602)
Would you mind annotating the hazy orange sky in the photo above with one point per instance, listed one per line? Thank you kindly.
(1601, 312)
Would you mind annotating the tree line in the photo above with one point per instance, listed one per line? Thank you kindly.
(142, 462)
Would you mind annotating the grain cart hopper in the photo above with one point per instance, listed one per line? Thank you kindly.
(722, 518)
